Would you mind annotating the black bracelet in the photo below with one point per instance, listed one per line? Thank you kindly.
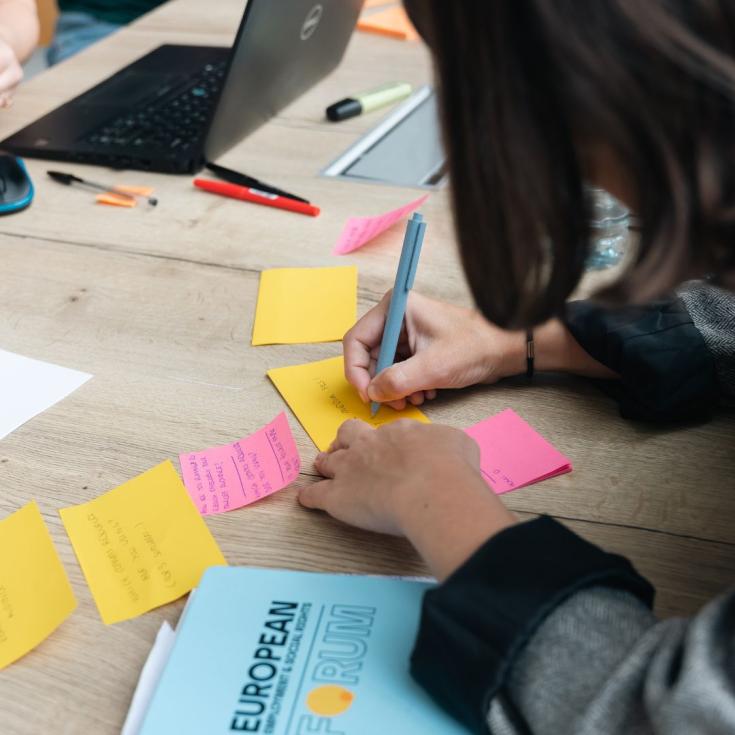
(530, 354)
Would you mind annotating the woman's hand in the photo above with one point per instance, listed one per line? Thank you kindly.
(11, 73)
(19, 28)
(447, 346)
(407, 478)
(441, 346)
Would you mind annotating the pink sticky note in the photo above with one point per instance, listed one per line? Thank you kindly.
(227, 477)
(360, 230)
(512, 454)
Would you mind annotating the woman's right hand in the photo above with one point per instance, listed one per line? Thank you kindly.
(441, 346)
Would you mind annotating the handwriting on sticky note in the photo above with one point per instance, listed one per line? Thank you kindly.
(233, 475)
(297, 305)
(141, 545)
(35, 594)
(360, 230)
(322, 399)
(393, 22)
(513, 455)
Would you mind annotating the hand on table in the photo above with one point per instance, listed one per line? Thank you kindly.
(407, 478)
(441, 346)
(11, 73)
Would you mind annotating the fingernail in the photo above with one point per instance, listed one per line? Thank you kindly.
(373, 394)
(319, 457)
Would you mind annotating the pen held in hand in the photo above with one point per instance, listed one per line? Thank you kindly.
(405, 276)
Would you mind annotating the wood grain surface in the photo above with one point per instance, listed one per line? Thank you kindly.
(158, 305)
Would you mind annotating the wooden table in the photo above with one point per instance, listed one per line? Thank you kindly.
(158, 305)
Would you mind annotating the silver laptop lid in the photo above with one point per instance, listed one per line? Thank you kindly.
(282, 48)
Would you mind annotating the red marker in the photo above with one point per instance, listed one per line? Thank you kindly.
(256, 196)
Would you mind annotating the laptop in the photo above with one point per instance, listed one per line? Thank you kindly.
(181, 106)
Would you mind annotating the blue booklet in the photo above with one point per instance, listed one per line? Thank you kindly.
(294, 653)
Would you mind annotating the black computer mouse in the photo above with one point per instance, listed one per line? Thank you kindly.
(16, 187)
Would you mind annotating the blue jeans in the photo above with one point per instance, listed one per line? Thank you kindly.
(74, 32)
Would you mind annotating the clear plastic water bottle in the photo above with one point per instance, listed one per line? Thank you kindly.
(609, 230)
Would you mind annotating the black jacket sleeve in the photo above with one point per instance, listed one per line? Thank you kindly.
(474, 626)
(667, 372)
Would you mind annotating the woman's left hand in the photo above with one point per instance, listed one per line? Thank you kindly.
(407, 478)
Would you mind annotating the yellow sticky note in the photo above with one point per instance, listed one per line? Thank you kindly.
(297, 305)
(322, 399)
(35, 594)
(142, 544)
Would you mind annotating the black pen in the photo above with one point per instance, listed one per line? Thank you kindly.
(70, 179)
(235, 177)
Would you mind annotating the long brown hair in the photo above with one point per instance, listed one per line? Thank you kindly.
(524, 85)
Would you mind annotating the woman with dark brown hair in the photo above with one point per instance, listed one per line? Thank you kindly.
(539, 98)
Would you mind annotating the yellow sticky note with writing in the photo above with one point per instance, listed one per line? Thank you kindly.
(142, 544)
(35, 594)
(322, 399)
(297, 305)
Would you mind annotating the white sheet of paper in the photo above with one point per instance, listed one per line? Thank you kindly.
(28, 387)
(151, 672)
(148, 680)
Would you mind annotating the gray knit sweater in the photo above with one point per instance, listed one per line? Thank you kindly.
(713, 312)
(601, 664)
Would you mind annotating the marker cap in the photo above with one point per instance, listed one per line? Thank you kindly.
(344, 109)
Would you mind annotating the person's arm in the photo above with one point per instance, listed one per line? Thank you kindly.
(541, 632)
(659, 361)
(18, 38)
(712, 311)
(667, 371)
(531, 629)
(556, 351)
(640, 675)
(19, 26)
(447, 346)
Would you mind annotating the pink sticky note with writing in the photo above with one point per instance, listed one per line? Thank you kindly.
(360, 230)
(512, 454)
(233, 475)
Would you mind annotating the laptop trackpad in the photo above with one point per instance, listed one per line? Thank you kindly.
(130, 88)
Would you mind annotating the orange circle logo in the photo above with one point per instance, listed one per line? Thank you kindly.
(329, 700)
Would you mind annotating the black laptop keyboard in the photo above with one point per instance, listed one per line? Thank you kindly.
(175, 120)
